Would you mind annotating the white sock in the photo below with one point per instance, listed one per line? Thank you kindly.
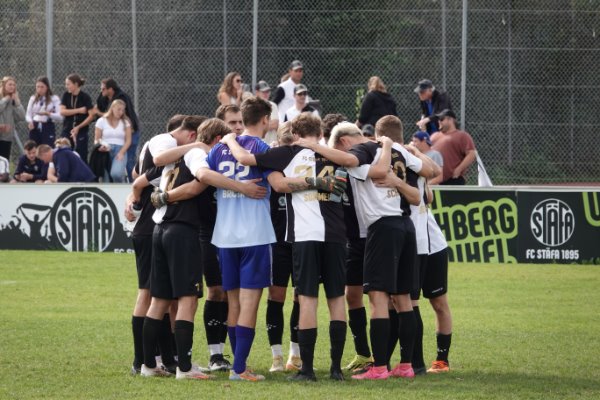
(276, 350)
(294, 349)
(215, 349)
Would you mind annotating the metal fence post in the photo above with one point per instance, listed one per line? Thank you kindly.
(510, 116)
(134, 54)
(49, 37)
(443, 4)
(463, 66)
(254, 44)
(224, 37)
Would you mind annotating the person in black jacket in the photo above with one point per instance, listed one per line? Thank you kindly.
(109, 91)
(376, 103)
(432, 102)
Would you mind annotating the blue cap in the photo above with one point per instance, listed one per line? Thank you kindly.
(423, 136)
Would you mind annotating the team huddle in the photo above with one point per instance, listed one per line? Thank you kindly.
(323, 204)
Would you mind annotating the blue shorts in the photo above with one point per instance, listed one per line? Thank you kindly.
(246, 267)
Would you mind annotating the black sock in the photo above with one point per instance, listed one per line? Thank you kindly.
(358, 325)
(407, 327)
(392, 336)
(166, 342)
(294, 317)
(380, 330)
(151, 331)
(137, 327)
(184, 336)
(417, 357)
(337, 338)
(224, 306)
(443, 346)
(307, 338)
(274, 322)
(212, 322)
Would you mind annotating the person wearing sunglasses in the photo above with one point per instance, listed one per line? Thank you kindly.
(231, 89)
(300, 104)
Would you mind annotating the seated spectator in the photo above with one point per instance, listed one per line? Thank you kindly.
(68, 165)
(113, 134)
(29, 167)
(4, 169)
(300, 105)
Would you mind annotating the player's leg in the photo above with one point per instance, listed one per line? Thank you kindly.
(275, 302)
(229, 261)
(418, 363)
(142, 245)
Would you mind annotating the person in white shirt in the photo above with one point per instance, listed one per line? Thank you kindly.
(284, 96)
(113, 134)
(263, 90)
(300, 104)
(4, 169)
(43, 111)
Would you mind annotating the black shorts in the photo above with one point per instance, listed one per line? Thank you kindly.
(210, 264)
(282, 264)
(435, 282)
(176, 271)
(355, 260)
(390, 253)
(142, 245)
(419, 274)
(316, 262)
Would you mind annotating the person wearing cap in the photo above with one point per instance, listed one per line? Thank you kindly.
(300, 104)
(432, 102)
(263, 90)
(284, 95)
(376, 103)
(422, 141)
(457, 148)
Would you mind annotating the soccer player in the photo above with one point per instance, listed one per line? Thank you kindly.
(232, 115)
(315, 226)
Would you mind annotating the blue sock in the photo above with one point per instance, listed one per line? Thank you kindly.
(231, 334)
(244, 337)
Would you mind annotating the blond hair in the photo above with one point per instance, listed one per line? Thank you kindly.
(4, 82)
(343, 129)
(376, 84)
(284, 133)
(110, 114)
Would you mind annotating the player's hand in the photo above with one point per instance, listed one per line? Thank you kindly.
(411, 148)
(252, 190)
(228, 138)
(385, 141)
(128, 203)
(390, 180)
(330, 183)
(302, 142)
(158, 198)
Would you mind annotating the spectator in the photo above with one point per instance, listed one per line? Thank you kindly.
(29, 167)
(231, 89)
(457, 148)
(284, 96)
(11, 112)
(68, 165)
(232, 116)
(4, 169)
(368, 131)
(422, 142)
(263, 90)
(113, 134)
(110, 91)
(76, 107)
(432, 102)
(376, 103)
(43, 109)
(300, 104)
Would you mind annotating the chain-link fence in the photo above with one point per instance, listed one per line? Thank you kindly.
(531, 99)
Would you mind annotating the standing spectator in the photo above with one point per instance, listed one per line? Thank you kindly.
(457, 149)
(29, 167)
(43, 109)
(284, 96)
(68, 165)
(11, 112)
(232, 116)
(376, 103)
(113, 133)
(300, 104)
(4, 169)
(110, 91)
(231, 89)
(76, 107)
(432, 102)
(263, 90)
(422, 141)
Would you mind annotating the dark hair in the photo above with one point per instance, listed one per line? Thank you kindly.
(110, 83)
(76, 79)
(390, 126)
(192, 122)
(306, 124)
(329, 121)
(210, 129)
(45, 81)
(30, 144)
(254, 109)
(175, 122)
(224, 109)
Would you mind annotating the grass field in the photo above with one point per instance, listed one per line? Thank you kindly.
(521, 332)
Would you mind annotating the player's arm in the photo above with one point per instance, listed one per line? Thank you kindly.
(429, 169)
(437, 180)
(464, 164)
(330, 183)
(382, 167)
(242, 155)
(391, 180)
(171, 155)
(249, 188)
(338, 157)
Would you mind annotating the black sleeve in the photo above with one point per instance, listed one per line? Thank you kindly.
(412, 178)
(20, 166)
(363, 153)
(442, 103)
(41, 174)
(276, 158)
(64, 100)
(153, 173)
(365, 109)
(87, 102)
(279, 95)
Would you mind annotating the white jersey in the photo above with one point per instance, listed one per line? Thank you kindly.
(157, 145)
(418, 214)
(437, 241)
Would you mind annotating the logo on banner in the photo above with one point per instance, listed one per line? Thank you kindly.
(84, 219)
(552, 222)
